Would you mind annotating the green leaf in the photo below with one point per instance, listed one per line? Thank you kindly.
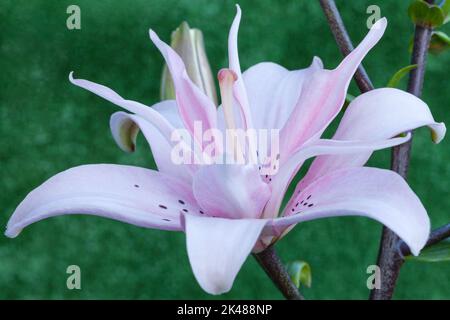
(436, 253)
(424, 14)
(440, 42)
(418, 11)
(394, 81)
(435, 17)
(300, 273)
(446, 7)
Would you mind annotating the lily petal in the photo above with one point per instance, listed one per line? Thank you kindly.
(273, 92)
(193, 104)
(134, 195)
(280, 182)
(379, 194)
(323, 95)
(377, 114)
(169, 110)
(124, 128)
(125, 132)
(217, 248)
(240, 93)
(230, 190)
(144, 111)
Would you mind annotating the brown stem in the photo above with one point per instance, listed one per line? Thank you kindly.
(389, 258)
(436, 236)
(344, 42)
(272, 265)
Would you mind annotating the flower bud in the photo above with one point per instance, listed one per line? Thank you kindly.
(188, 43)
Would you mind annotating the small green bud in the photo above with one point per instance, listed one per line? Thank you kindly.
(300, 273)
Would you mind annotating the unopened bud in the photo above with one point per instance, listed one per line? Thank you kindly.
(188, 43)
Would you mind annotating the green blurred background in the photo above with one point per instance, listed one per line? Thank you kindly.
(48, 125)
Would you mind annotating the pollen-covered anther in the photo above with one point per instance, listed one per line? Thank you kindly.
(225, 75)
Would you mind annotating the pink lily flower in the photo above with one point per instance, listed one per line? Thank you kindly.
(229, 210)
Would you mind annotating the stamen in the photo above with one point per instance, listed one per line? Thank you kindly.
(227, 78)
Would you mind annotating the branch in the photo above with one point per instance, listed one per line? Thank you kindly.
(272, 265)
(344, 42)
(436, 236)
(389, 258)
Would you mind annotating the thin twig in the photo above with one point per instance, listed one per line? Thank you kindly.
(272, 265)
(436, 236)
(389, 258)
(344, 42)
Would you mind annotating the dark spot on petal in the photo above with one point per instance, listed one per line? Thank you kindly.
(308, 197)
(162, 207)
(297, 204)
(136, 186)
(292, 209)
(201, 212)
(185, 210)
(166, 219)
(305, 204)
(267, 176)
(181, 201)
(270, 179)
(310, 205)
